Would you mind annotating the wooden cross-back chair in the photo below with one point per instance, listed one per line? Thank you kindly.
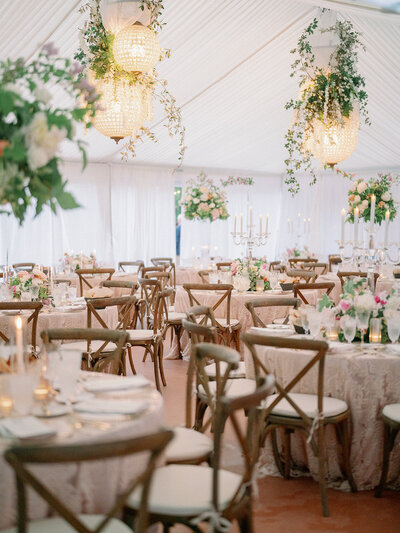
(277, 265)
(204, 275)
(124, 264)
(83, 272)
(313, 266)
(223, 265)
(263, 303)
(344, 276)
(305, 275)
(307, 413)
(67, 282)
(298, 289)
(22, 458)
(334, 259)
(228, 329)
(163, 277)
(294, 260)
(35, 308)
(149, 289)
(218, 496)
(391, 421)
(131, 286)
(169, 264)
(95, 359)
(125, 306)
(23, 266)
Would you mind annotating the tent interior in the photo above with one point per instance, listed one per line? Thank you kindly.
(229, 71)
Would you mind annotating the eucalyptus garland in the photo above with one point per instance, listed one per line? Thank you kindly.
(96, 54)
(326, 94)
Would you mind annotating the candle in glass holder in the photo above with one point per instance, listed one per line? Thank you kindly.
(332, 331)
(375, 330)
(6, 405)
(260, 285)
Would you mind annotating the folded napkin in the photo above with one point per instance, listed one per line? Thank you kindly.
(27, 427)
(116, 384)
(118, 407)
(98, 292)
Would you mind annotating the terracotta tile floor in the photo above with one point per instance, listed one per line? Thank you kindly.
(291, 506)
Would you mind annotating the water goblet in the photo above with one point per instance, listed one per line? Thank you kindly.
(362, 316)
(393, 328)
(348, 325)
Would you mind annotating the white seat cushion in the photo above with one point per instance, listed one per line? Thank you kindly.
(174, 316)
(308, 403)
(185, 490)
(58, 525)
(392, 411)
(210, 370)
(94, 346)
(233, 322)
(140, 334)
(234, 387)
(188, 445)
(278, 320)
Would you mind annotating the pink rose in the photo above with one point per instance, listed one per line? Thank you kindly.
(344, 305)
(23, 274)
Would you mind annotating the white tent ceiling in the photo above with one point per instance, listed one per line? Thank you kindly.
(229, 70)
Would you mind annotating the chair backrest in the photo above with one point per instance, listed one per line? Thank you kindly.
(277, 265)
(124, 305)
(298, 289)
(224, 291)
(24, 266)
(322, 267)
(204, 275)
(22, 458)
(160, 261)
(61, 281)
(84, 272)
(305, 275)
(260, 303)
(333, 259)
(132, 286)
(150, 269)
(294, 260)
(201, 324)
(223, 265)
(344, 276)
(110, 361)
(35, 307)
(163, 277)
(261, 368)
(149, 289)
(160, 320)
(123, 264)
(247, 434)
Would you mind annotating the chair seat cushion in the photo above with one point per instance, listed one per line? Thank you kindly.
(308, 403)
(234, 387)
(210, 370)
(175, 317)
(59, 525)
(140, 334)
(185, 490)
(279, 320)
(233, 322)
(94, 346)
(392, 411)
(188, 445)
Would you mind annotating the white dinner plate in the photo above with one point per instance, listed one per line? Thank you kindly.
(274, 291)
(112, 407)
(50, 411)
(116, 384)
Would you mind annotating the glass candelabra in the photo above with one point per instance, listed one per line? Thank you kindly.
(250, 239)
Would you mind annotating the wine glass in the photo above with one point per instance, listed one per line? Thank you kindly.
(393, 327)
(348, 325)
(362, 316)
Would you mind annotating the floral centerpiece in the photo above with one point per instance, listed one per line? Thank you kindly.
(297, 252)
(360, 194)
(34, 282)
(32, 128)
(255, 269)
(202, 200)
(76, 261)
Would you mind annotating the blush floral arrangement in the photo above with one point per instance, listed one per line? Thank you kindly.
(360, 195)
(255, 269)
(35, 283)
(203, 200)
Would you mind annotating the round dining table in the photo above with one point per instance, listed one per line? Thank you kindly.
(91, 487)
(187, 275)
(96, 280)
(367, 380)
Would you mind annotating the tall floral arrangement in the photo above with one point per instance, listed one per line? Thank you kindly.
(328, 96)
(254, 269)
(32, 128)
(202, 200)
(96, 56)
(360, 194)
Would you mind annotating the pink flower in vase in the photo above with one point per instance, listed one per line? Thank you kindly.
(344, 305)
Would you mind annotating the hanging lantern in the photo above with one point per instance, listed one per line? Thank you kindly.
(124, 108)
(333, 143)
(136, 48)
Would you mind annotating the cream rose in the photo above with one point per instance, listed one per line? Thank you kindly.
(361, 187)
(357, 199)
(386, 196)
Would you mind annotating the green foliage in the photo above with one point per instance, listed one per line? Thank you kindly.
(325, 302)
(327, 95)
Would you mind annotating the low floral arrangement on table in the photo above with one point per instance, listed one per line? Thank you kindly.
(32, 128)
(253, 270)
(360, 194)
(34, 282)
(297, 252)
(202, 200)
(76, 261)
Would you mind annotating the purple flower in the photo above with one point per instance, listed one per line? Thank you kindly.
(50, 49)
(76, 68)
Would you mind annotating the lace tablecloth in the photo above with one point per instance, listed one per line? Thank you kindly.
(187, 275)
(367, 381)
(59, 319)
(90, 487)
(96, 280)
(238, 310)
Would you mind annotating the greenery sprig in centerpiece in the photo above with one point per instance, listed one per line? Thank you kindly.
(328, 95)
(96, 55)
(32, 128)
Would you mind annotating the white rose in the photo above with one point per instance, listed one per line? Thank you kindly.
(357, 199)
(365, 203)
(42, 94)
(361, 187)
(212, 205)
(386, 196)
(365, 301)
(196, 201)
(37, 157)
(361, 209)
(203, 189)
(204, 197)
(393, 303)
